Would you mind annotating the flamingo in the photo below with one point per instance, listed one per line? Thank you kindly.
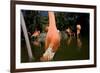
(52, 40)
(68, 30)
(78, 26)
(34, 37)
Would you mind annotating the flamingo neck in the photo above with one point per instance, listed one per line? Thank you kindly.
(52, 21)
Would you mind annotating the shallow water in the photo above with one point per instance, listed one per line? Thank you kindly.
(70, 48)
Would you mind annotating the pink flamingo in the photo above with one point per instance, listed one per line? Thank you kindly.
(52, 40)
(78, 26)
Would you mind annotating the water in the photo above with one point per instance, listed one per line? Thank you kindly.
(70, 48)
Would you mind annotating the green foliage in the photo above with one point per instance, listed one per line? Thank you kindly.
(43, 22)
(36, 19)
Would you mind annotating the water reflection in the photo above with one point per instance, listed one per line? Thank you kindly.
(71, 48)
(71, 42)
(79, 44)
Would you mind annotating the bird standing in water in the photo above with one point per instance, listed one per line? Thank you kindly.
(78, 26)
(52, 40)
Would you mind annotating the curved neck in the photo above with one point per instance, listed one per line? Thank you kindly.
(52, 21)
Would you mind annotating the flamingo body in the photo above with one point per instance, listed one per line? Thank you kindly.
(52, 40)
